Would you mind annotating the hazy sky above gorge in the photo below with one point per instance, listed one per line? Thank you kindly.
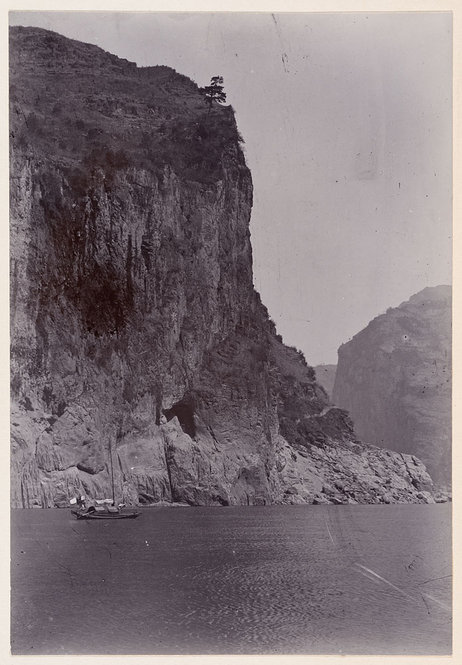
(347, 126)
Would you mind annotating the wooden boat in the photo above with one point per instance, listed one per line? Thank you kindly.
(104, 513)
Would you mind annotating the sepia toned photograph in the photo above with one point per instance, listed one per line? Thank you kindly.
(230, 333)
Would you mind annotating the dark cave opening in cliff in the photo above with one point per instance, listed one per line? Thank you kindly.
(184, 411)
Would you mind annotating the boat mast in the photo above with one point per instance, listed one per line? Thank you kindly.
(112, 472)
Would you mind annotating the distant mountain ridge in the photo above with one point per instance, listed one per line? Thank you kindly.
(325, 376)
(394, 378)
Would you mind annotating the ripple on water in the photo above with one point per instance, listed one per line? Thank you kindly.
(234, 580)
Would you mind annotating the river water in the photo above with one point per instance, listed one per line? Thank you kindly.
(263, 579)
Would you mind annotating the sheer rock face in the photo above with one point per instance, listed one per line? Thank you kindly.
(139, 348)
(394, 378)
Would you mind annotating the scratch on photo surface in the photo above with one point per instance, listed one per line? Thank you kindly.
(435, 600)
(434, 579)
(284, 57)
(330, 535)
(368, 571)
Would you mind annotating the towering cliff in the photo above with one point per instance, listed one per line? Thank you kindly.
(137, 336)
(394, 377)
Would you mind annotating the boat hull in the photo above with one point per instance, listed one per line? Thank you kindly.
(104, 515)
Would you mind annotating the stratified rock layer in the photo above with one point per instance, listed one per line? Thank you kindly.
(394, 378)
(136, 335)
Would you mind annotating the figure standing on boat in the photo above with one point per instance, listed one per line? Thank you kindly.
(81, 502)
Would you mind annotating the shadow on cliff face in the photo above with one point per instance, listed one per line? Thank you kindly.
(184, 411)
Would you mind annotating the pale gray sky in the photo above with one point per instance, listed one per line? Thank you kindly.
(346, 119)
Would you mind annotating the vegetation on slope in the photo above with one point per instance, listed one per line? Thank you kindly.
(166, 118)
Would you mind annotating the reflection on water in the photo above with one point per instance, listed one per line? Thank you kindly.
(269, 579)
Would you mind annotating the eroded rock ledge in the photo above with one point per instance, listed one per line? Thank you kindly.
(162, 464)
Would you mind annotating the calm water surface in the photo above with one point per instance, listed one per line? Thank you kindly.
(269, 579)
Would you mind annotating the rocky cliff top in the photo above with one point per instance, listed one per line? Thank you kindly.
(85, 107)
(427, 313)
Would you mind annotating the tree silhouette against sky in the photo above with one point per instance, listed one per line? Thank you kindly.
(214, 91)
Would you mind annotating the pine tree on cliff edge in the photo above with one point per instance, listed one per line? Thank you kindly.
(214, 91)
